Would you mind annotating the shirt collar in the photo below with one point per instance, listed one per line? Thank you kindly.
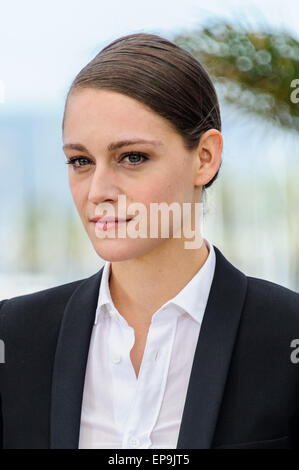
(191, 299)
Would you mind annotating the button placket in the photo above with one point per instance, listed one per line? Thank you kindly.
(158, 335)
(133, 425)
(122, 379)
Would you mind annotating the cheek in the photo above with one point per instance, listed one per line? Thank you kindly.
(79, 190)
(158, 189)
(167, 187)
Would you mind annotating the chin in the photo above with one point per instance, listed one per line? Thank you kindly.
(122, 250)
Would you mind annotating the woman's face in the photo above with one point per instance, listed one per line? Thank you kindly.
(98, 127)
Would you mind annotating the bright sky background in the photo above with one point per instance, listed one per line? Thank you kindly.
(43, 44)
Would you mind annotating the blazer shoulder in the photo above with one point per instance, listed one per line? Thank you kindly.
(267, 296)
(51, 299)
(48, 293)
(265, 287)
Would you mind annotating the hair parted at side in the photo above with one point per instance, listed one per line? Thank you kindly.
(161, 75)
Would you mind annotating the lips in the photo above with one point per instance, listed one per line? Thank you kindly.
(108, 223)
(109, 219)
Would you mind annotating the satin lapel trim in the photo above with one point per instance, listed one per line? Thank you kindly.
(70, 364)
(212, 356)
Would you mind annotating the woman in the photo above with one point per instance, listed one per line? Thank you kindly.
(168, 345)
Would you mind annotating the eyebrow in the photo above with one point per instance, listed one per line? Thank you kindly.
(113, 145)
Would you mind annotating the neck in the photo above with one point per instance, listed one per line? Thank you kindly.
(140, 286)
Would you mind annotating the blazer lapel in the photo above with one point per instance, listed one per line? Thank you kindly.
(70, 364)
(212, 356)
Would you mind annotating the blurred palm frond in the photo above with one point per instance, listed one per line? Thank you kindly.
(255, 70)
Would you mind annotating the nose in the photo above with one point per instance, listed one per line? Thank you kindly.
(103, 185)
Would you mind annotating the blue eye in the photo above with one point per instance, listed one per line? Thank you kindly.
(72, 162)
(134, 155)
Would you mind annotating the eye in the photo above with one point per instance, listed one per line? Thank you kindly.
(134, 158)
(74, 160)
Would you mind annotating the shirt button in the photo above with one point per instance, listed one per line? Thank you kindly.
(113, 314)
(116, 358)
(134, 442)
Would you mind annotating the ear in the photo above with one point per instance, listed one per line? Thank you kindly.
(208, 156)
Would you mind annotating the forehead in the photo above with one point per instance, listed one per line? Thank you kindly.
(99, 111)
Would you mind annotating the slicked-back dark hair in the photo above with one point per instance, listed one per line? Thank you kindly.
(161, 75)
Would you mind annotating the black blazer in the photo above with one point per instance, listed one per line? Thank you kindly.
(243, 390)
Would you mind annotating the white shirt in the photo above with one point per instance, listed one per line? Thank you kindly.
(120, 411)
